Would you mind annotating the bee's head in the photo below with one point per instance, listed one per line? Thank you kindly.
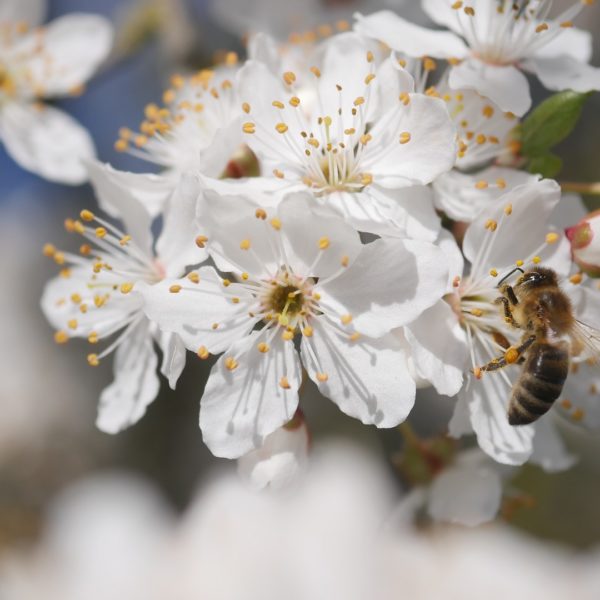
(538, 277)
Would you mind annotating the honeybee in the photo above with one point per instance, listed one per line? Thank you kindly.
(551, 337)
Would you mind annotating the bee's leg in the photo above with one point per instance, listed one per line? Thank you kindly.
(511, 356)
(508, 316)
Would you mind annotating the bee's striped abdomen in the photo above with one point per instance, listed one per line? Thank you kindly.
(544, 373)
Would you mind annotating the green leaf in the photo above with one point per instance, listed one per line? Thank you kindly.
(547, 165)
(551, 122)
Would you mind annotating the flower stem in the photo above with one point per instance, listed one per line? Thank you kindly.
(581, 188)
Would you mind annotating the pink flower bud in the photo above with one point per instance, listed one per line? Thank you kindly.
(585, 243)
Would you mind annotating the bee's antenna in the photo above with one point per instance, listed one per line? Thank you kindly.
(509, 274)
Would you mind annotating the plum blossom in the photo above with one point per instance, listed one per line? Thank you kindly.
(47, 62)
(585, 247)
(95, 296)
(354, 134)
(295, 276)
(491, 43)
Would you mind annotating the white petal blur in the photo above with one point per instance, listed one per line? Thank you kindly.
(51, 61)
(490, 41)
(353, 133)
(293, 275)
(95, 298)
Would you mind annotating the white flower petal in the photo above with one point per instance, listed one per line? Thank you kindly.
(487, 400)
(519, 235)
(586, 303)
(73, 47)
(31, 12)
(413, 40)
(46, 141)
(549, 451)
(368, 379)
(122, 204)
(448, 245)
(304, 233)
(262, 48)
(396, 160)
(572, 42)
(240, 407)
(192, 312)
(391, 80)
(176, 247)
(136, 384)
(565, 73)
(579, 403)
(466, 494)
(459, 196)
(279, 461)
(460, 423)
(504, 85)
(389, 285)
(439, 348)
(152, 191)
(174, 354)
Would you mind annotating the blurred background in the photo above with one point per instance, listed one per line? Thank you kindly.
(48, 394)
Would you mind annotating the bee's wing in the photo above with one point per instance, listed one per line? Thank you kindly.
(585, 342)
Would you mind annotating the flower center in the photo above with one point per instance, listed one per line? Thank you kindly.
(7, 84)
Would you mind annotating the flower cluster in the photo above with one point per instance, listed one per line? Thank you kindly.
(350, 213)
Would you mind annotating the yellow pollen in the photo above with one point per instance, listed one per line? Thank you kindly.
(99, 301)
(59, 258)
(289, 77)
(281, 127)
(61, 337)
(83, 308)
(480, 139)
(263, 347)
(214, 326)
(360, 100)
(125, 240)
(126, 288)
(355, 336)
(469, 11)
(260, 213)
(245, 107)
(350, 131)
(249, 128)
(429, 64)
(576, 279)
(278, 174)
(501, 183)
(295, 101)
(231, 363)
(201, 241)
(194, 277)
(508, 209)
(477, 372)
(578, 414)
(287, 335)
(477, 312)
(175, 289)
(566, 24)
(566, 404)
(226, 283)
(235, 300)
(49, 250)
(245, 245)
(511, 355)
(457, 5)
(203, 352)
(404, 98)
(231, 59)
(488, 111)
(405, 137)
(75, 298)
(78, 227)
(275, 223)
(322, 377)
(365, 138)
(284, 383)
(370, 57)
(369, 78)
(278, 104)
(519, 263)
(493, 272)
(93, 360)
(86, 215)
(536, 260)
(308, 331)
(491, 225)
(345, 261)
(121, 145)
(100, 232)
(541, 27)
(245, 276)
(552, 238)
(346, 319)
(324, 243)
(70, 225)
(93, 337)
(315, 71)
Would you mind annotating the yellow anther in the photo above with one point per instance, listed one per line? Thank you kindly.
(289, 77)
(316, 296)
(308, 331)
(370, 57)
(245, 107)
(360, 100)
(284, 383)
(469, 10)
(121, 145)
(278, 104)
(519, 263)
(231, 59)
(86, 215)
(59, 258)
(477, 372)
(275, 223)
(263, 347)
(365, 138)
(369, 78)
(541, 27)
(214, 326)
(324, 243)
(83, 308)
(93, 360)
(287, 335)
(314, 142)
(203, 352)
(177, 81)
(260, 213)
(578, 414)
(125, 240)
(99, 301)
(350, 131)
(140, 140)
(322, 377)
(355, 336)
(345, 261)
(477, 312)
(281, 127)
(126, 288)
(536, 260)
(100, 232)
(226, 283)
(61, 337)
(404, 98)
(491, 225)
(49, 250)
(480, 139)
(482, 185)
(235, 300)
(245, 276)
(342, 25)
(193, 277)
(501, 183)
(201, 241)
(566, 24)
(78, 227)
(346, 319)
(245, 245)
(279, 174)
(576, 279)
(70, 225)
(429, 64)
(488, 111)
(315, 71)
(566, 404)
(552, 238)
(175, 289)
(493, 272)
(457, 5)
(230, 363)
(405, 137)
(456, 282)
(511, 355)
(508, 209)
(249, 128)
(76, 298)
